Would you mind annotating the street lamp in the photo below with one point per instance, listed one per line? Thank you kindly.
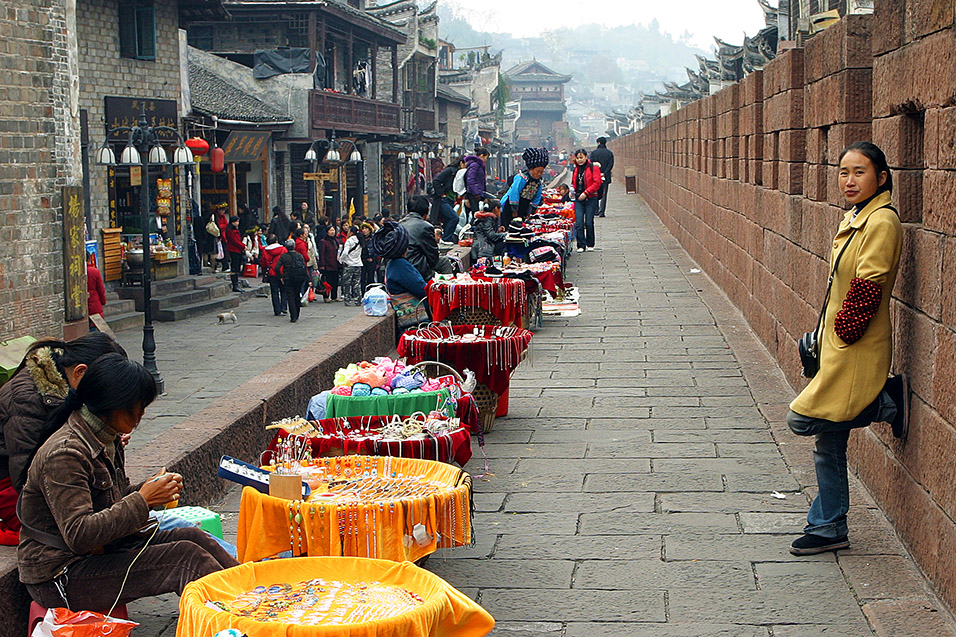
(144, 149)
(328, 150)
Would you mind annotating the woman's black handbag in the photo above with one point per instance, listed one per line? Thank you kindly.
(808, 354)
(808, 345)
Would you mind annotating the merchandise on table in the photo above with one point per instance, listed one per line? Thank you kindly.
(363, 506)
(493, 352)
(435, 437)
(326, 596)
(465, 298)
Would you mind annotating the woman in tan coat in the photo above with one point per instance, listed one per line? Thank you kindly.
(851, 388)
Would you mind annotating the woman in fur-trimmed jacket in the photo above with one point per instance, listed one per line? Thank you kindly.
(49, 370)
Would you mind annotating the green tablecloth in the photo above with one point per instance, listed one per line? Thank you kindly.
(402, 404)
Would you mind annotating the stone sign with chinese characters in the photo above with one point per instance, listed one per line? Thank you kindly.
(74, 253)
(125, 111)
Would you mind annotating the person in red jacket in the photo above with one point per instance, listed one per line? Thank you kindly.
(302, 247)
(587, 191)
(269, 256)
(236, 251)
(222, 221)
(96, 291)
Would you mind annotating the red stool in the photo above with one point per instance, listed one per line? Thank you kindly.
(37, 613)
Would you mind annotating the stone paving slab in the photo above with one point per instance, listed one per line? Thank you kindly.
(628, 490)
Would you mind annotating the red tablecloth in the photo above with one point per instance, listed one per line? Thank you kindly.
(491, 358)
(356, 436)
(506, 299)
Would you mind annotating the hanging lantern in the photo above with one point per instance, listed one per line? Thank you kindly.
(217, 159)
(198, 145)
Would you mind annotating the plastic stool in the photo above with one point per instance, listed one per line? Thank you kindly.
(208, 521)
(37, 613)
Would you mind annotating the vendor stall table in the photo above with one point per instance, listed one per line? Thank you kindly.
(326, 596)
(469, 301)
(391, 508)
(362, 435)
(491, 352)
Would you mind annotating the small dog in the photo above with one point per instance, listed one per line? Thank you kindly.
(227, 316)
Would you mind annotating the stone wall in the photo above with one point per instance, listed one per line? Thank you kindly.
(39, 144)
(746, 180)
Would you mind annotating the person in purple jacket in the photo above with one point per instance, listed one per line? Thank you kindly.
(475, 178)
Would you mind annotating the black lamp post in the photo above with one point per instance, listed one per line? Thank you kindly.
(144, 149)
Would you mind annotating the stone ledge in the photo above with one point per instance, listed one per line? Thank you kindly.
(233, 425)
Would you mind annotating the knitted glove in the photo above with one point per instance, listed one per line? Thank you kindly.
(860, 305)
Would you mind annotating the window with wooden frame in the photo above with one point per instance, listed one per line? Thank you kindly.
(137, 29)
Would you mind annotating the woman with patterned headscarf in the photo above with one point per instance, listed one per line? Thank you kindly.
(524, 194)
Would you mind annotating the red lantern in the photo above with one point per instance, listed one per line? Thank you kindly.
(198, 145)
(218, 159)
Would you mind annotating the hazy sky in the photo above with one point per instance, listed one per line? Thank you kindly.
(727, 19)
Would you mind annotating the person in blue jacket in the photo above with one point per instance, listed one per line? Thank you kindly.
(524, 194)
(391, 243)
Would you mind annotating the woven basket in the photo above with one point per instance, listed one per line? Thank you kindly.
(472, 316)
(487, 406)
(434, 369)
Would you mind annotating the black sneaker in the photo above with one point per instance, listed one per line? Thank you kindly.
(898, 387)
(810, 544)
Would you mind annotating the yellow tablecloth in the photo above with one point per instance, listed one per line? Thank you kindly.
(446, 611)
(266, 531)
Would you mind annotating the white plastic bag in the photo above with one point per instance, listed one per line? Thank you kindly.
(375, 300)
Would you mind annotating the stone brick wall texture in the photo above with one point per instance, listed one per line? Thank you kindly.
(746, 179)
(35, 162)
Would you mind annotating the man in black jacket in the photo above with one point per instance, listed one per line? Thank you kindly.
(422, 245)
(601, 155)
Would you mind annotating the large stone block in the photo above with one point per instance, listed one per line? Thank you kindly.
(783, 73)
(926, 16)
(908, 194)
(842, 97)
(783, 111)
(915, 351)
(948, 283)
(944, 375)
(939, 200)
(920, 270)
(897, 88)
(792, 145)
(901, 139)
(888, 25)
(845, 45)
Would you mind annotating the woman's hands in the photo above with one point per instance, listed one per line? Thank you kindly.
(161, 488)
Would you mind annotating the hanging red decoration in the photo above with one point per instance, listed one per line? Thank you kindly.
(218, 159)
(198, 145)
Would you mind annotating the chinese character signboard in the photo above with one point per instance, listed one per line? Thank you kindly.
(245, 146)
(125, 111)
(74, 253)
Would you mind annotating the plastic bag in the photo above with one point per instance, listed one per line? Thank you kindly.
(375, 300)
(60, 622)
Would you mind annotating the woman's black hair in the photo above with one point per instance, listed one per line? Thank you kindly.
(299, 232)
(582, 151)
(872, 152)
(111, 383)
(80, 351)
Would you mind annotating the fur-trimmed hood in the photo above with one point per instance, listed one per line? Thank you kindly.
(43, 370)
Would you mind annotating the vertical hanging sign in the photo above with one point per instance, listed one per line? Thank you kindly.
(74, 253)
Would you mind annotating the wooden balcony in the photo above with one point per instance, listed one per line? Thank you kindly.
(353, 114)
(418, 119)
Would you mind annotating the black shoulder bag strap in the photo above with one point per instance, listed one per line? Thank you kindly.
(826, 298)
(41, 536)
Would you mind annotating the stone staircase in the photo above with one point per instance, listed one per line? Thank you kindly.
(184, 297)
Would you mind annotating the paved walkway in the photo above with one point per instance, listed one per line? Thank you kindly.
(202, 361)
(631, 483)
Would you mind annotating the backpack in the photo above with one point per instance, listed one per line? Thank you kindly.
(459, 184)
(294, 270)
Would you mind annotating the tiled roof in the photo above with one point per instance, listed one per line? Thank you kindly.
(213, 95)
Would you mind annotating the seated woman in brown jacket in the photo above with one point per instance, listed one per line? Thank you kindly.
(78, 509)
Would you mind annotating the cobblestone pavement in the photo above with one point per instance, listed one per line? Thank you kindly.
(201, 361)
(629, 490)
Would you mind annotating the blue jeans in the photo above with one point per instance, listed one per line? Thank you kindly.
(169, 521)
(448, 219)
(584, 221)
(827, 515)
